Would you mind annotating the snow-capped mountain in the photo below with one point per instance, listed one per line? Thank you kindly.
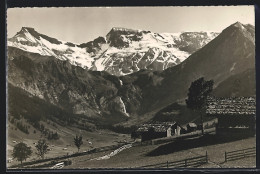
(122, 51)
(28, 39)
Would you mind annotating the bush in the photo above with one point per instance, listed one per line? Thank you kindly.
(53, 136)
(12, 120)
(22, 127)
(53, 124)
(54, 162)
(68, 162)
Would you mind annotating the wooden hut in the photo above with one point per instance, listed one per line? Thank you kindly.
(236, 115)
(157, 130)
(191, 127)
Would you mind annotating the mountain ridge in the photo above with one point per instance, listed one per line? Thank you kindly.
(120, 52)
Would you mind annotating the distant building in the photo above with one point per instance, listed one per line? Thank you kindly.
(191, 127)
(236, 115)
(159, 130)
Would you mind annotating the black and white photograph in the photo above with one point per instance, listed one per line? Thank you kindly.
(149, 87)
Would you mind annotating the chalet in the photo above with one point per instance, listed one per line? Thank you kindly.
(236, 115)
(158, 130)
(191, 127)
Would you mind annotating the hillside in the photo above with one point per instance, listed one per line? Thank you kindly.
(242, 84)
(231, 52)
(231, 55)
(69, 87)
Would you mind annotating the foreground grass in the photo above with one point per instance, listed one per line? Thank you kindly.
(139, 156)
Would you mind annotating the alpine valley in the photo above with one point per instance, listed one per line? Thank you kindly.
(126, 77)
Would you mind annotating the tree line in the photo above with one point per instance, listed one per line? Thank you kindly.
(22, 151)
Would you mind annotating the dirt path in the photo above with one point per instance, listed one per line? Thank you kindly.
(113, 153)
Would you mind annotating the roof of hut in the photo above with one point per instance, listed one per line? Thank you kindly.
(158, 127)
(231, 106)
(192, 125)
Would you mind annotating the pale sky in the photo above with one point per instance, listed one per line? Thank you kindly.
(83, 24)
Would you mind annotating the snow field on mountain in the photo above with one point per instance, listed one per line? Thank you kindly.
(150, 48)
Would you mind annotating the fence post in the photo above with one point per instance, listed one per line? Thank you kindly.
(225, 156)
(167, 164)
(244, 153)
(206, 157)
(185, 162)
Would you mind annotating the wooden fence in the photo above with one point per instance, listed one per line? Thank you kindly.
(188, 162)
(238, 154)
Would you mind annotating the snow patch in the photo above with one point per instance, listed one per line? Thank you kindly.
(121, 82)
(114, 152)
(29, 36)
(233, 67)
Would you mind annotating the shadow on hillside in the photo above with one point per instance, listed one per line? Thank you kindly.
(184, 144)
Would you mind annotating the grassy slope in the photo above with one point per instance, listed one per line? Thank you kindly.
(98, 138)
(138, 156)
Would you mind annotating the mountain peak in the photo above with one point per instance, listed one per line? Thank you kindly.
(27, 28)
(237, 24)
(30, 30)
(30, 34)
(241, 26)
(123, 29)
(247, 30)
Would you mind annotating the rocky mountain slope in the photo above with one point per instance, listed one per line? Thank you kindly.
(122, 51)
(99, 94)
(58, 82)
(229, 60)
(230, 53)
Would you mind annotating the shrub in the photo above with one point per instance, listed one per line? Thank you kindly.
(68, 162)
